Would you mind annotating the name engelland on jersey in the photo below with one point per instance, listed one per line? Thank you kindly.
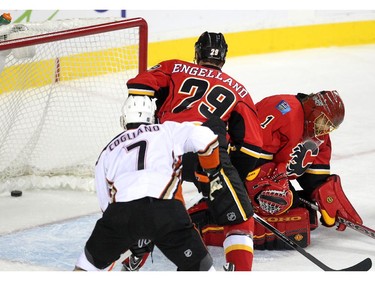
(210, 73)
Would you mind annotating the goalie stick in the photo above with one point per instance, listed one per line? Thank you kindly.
(364, 265)
(358, 227)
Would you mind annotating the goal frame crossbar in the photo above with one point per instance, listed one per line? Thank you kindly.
(85, 31)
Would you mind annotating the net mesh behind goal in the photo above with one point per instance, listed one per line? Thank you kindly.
(62, 86)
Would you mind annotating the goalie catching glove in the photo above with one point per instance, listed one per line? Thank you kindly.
(268, 189)
(332, 202)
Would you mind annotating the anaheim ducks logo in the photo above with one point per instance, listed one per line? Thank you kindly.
(302, 157)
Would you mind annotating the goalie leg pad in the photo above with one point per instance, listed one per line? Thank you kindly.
(212, 234)
(332, 201)
(295, 224)
(314, 222)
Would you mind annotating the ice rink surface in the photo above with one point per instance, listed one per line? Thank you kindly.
(45, 230)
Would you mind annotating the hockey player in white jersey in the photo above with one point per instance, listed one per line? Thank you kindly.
(138, 183)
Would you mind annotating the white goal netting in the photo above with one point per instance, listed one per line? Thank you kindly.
(61, 97)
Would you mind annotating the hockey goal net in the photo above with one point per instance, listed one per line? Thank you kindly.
(62, 86)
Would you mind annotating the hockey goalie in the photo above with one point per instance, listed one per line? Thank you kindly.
(297, 148)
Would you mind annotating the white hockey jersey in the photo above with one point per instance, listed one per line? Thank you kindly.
(147, 161)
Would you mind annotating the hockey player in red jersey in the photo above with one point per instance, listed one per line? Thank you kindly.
(296, 138)
(296, 146)
(202, 93)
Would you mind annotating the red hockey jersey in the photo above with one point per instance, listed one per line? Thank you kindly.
(190, 92)
(282, 121)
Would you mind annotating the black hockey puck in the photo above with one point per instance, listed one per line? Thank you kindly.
(16, 193)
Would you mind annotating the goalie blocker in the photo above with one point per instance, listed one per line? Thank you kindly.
(296, 224)
(332, 201)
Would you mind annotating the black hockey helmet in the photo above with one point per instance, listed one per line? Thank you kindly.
(211, 45)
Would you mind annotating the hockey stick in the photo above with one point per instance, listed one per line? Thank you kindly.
(358, 227)
(364, 265)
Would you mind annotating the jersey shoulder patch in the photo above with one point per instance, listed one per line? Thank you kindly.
(283, 107)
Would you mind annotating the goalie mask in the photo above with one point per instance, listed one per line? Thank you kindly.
(211, 45)
(138, 110)
(324, 112)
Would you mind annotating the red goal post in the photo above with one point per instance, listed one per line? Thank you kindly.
(62, 86)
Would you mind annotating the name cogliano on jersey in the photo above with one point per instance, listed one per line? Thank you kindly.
(132, 134)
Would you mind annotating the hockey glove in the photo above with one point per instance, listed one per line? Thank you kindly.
(268, 189)
(216, 182)
(202, 182)
(332, 202)
(209, 181)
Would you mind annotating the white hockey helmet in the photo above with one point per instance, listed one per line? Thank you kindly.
(137, 109)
